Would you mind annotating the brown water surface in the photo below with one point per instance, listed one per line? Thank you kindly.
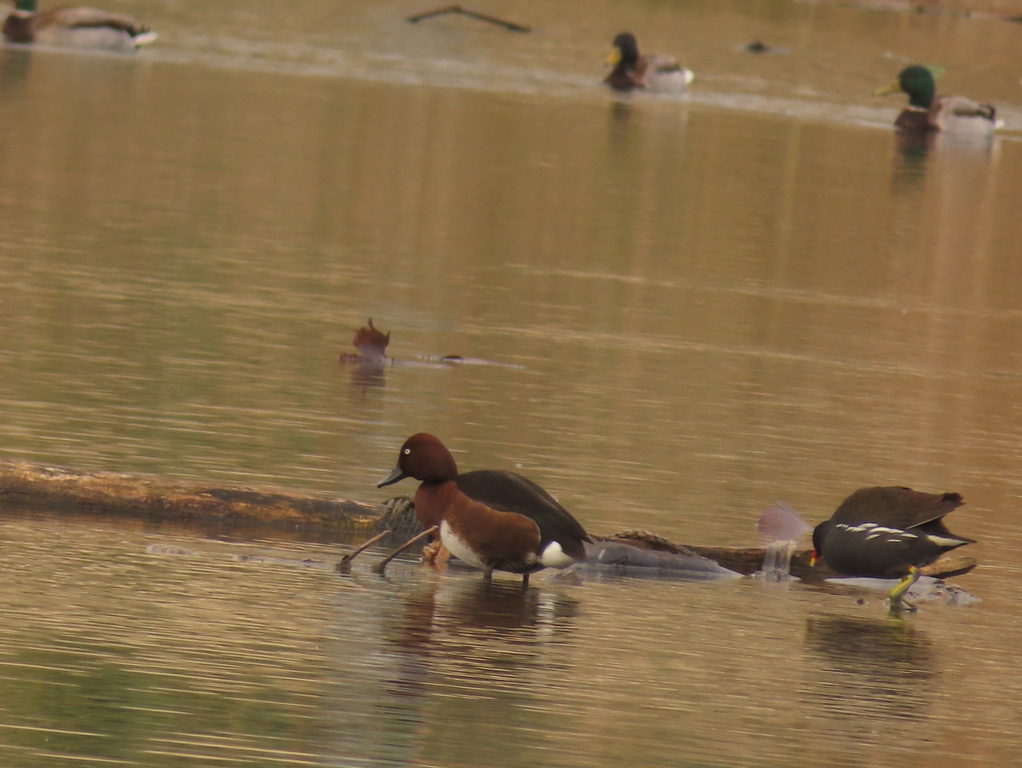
(700, 304)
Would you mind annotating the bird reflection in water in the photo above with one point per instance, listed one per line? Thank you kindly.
(15, 65)
(915, 145)
(455, 627)
(458, 605)
(464, 652)
(871, 676)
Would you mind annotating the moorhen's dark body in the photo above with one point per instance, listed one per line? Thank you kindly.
(884, 532)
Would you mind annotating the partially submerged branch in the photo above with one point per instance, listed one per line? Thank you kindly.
(509, 25)
(142, 496)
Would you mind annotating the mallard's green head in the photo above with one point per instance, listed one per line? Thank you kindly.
(28, 6)
(917, 82)
(626, 51)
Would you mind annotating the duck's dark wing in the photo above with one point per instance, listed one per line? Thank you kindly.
(896, 506)
(959, 106)
(660, 64)
(79, 18)
(511, 492)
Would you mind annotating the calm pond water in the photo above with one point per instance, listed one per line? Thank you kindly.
(700, 305)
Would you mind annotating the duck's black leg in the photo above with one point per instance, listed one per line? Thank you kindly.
(525, 581)
(381, 566)
(345, 565)
(487, 575)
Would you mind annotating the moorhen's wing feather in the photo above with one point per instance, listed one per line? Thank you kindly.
(939, 530)
(895, 506)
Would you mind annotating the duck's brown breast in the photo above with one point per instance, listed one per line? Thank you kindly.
(432, 501)
(502, 540)
(915, 121)
(18, 28)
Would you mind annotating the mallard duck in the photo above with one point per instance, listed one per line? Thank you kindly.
(928, 112)
(74, 27)
(655, 73)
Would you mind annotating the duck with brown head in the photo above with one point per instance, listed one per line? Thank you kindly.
(492, 519)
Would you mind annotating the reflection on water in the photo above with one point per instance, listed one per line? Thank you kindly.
(880, 666)
(446, 657)
(877, 670)
(14, 68)
(155, 647)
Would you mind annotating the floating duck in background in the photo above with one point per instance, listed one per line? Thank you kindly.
(75, 28)
(928, 112)
(491, 519)
(758, 46)
(887, 532)
(372, 358)
(370, 362)
(661, 74)
(371, 345)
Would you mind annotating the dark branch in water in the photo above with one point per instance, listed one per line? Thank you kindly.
(510, 25)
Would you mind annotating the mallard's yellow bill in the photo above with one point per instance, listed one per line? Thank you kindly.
(894, 87)
(614, 57)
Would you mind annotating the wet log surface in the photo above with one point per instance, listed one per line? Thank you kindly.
(749, 560)
(37, 486)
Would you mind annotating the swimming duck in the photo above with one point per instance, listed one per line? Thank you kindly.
(74, 27)
(371, 344)
(662, 74)
(928, 112)
(491, 519)
(887, 532)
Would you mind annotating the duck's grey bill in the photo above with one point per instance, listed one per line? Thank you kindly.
(392, 478)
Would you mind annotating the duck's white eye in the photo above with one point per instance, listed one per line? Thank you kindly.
(407, 451)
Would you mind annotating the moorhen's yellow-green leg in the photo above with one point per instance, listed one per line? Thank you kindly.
(381, 566)
(896, 599)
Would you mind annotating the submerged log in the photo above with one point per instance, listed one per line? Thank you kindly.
(38, 486)
(749, 560)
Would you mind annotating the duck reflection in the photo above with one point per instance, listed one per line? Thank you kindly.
(455, 651)
(915, 146)
(500, 611)
(930, 152)
(870, 668)
(454, 619)
(14, 68)
(620, 112)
